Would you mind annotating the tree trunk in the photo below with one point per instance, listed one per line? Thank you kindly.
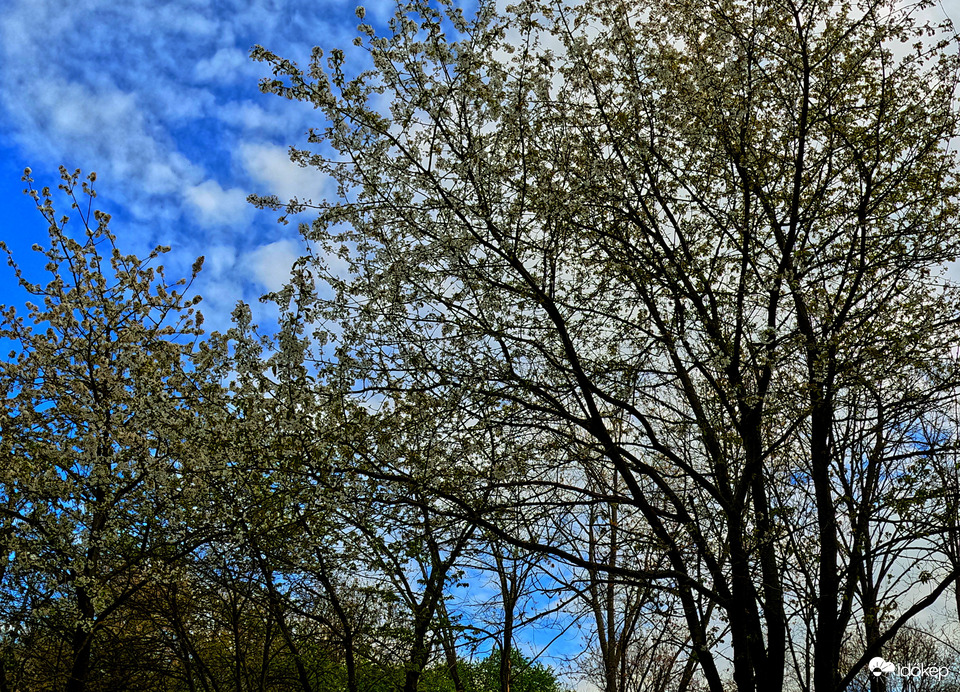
(348, 640)
(420, 652)
(448, 642)
(81, 645)
(276, 606)
(826, 651)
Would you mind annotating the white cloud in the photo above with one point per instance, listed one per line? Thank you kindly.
(215, 206)
(270, 264)
(271, 167)
(253, 117)
(103, 128)
(227, 65)
(178, 17)
(220, 259)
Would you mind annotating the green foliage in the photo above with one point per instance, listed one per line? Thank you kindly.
(526, 676)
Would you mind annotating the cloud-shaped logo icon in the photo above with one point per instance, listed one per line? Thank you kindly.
(878, 666)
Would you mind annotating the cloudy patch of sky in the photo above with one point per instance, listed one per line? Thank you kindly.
(162, 100)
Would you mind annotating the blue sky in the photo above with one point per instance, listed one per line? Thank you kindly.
(162, 101)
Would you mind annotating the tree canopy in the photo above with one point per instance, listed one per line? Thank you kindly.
(681, 259)
(625, 317)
